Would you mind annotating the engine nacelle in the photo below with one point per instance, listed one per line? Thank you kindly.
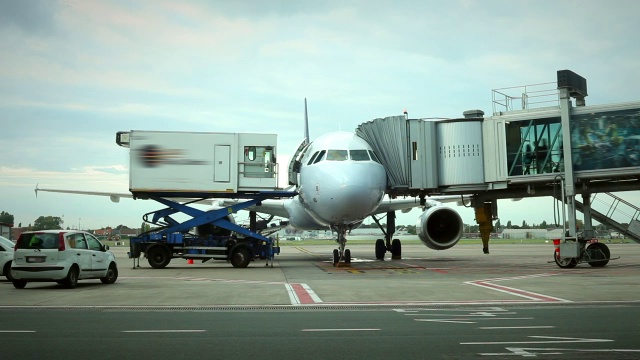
(439, 227)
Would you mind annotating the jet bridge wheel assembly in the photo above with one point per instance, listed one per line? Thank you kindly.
(596, 254)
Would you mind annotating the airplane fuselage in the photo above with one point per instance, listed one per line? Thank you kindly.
(340, 183)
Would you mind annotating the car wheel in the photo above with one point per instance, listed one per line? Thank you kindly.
(7, 271)
(112, 275)
(71, 280)
(19, 284)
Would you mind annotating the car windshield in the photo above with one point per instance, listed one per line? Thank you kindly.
(6, 242)
(38, 241)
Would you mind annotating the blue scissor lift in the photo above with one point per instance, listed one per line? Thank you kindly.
(218, 237)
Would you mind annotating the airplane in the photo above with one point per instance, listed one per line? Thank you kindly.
(340, 182)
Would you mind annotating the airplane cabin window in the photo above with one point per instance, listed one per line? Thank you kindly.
(337, 155)
(359, 155)
(319, 157)
(312, 158)
(374, 157)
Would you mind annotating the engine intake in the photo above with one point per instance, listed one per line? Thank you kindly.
(439, 227)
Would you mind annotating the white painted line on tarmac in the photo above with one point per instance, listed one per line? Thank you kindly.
(302, 294)
(320, 330)
(17, 331)
(162, 331)
(552, 340)
(488, 284)
(514, 327)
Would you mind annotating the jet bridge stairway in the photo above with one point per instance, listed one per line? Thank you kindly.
(617, 208)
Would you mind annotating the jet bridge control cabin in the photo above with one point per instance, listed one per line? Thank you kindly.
(521, 151)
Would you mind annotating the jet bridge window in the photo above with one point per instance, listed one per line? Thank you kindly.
(337, 155)
(359, 155)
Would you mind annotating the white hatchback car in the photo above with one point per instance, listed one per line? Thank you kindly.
(63, 256)
(6, 256)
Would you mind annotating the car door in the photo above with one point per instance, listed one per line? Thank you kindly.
(99, 258)
(80, 253)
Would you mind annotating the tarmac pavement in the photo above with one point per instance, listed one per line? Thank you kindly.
(305, 276)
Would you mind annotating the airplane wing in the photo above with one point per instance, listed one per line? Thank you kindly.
(269, 206)
(407, 204)
(115, 197)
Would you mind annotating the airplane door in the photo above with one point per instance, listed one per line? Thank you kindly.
(221, 166)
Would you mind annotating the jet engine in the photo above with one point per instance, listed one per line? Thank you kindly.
(439, 227)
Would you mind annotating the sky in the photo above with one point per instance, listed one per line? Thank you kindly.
(73, 73)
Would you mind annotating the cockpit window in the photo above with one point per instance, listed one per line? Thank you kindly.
(319, 157)
(312, 158)
(374, 157)
(359, 155)
(337, 155)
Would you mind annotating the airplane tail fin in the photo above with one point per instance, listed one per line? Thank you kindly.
(306, 123)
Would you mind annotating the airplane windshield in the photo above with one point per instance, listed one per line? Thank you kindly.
(359, 155)
(374, 157)
(319, 157)
(312, 158)
(337, 155)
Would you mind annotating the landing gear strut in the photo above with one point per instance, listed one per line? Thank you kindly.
(394, 246)
(341, 254)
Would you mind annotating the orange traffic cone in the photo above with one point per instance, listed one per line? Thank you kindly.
(190, 261)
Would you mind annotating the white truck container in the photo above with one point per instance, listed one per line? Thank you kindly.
(203, 162)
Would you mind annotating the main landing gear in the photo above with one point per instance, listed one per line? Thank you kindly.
(393, 246)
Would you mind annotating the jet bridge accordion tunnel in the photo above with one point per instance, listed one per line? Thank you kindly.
(515, 153)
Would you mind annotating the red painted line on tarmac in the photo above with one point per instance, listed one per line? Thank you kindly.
(303, 296)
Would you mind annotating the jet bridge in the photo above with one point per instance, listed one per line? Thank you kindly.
(521, 151)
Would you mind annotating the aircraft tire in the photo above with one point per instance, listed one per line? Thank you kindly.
(347, 256)
(381, 248)
(396, 249)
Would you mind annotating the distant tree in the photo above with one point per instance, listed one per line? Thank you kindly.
(509, 224)
(145, 227)
(6, 218)
(411, 229)
(19, 225)
(498, 225)
(47, 222)
(543, 225)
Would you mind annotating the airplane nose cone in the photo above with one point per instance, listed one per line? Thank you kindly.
(347, 198)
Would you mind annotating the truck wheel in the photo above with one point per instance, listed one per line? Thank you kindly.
(240, 256)
(158, 257)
